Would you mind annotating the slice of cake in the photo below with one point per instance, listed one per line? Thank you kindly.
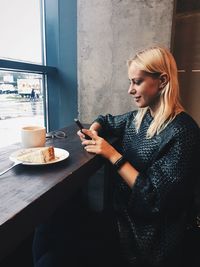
(38, 155)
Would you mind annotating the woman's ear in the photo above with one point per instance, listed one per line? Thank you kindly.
(163, 80)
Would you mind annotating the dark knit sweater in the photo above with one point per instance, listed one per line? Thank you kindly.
(152, 214)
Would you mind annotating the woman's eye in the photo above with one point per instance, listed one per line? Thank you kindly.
(137, 82)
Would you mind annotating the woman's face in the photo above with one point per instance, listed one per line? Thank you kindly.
(144, 88)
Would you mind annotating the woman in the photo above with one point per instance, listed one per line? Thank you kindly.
(156, 162)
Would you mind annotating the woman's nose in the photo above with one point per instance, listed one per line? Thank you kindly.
(131, 90)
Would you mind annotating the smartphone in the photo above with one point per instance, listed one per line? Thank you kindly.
(80, 126)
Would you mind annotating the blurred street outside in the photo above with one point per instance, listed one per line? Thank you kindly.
(16, 112)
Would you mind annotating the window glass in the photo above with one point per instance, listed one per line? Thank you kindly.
(21, 104)
(21, 30)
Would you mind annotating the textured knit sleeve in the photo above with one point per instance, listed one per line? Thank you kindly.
(115, 125)
(165, 185)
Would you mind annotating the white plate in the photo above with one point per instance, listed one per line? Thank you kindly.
(60, 155)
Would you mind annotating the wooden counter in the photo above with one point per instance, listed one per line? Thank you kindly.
(29, 194)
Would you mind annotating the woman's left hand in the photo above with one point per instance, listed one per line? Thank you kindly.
(99, 146)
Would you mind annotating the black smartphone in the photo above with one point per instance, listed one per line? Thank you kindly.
(80, 126)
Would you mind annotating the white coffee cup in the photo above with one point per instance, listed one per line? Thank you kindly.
(33, 136)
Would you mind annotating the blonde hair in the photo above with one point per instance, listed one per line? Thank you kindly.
(153, 61)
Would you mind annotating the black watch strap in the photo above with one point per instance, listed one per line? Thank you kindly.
(118, 164)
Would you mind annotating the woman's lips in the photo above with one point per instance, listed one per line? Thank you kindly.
(137, 98)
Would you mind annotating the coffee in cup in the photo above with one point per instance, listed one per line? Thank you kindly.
(33, 136)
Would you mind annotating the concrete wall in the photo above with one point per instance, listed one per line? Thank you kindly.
(109, 33)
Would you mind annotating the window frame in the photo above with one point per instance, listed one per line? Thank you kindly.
(24, 66)
(43, 69)
(59, 64)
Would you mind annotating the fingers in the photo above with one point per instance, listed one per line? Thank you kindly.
(91, 146)
(90, 133)
(81, 135)
(86, 142)
(89, 142)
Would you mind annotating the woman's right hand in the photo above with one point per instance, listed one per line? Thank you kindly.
(94, 128)
(82, 136)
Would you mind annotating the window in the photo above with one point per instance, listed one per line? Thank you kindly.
(55, 60)
(21, 30)
(21, 97)
(22, 69)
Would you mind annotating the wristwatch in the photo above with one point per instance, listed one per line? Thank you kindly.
(118, 164)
